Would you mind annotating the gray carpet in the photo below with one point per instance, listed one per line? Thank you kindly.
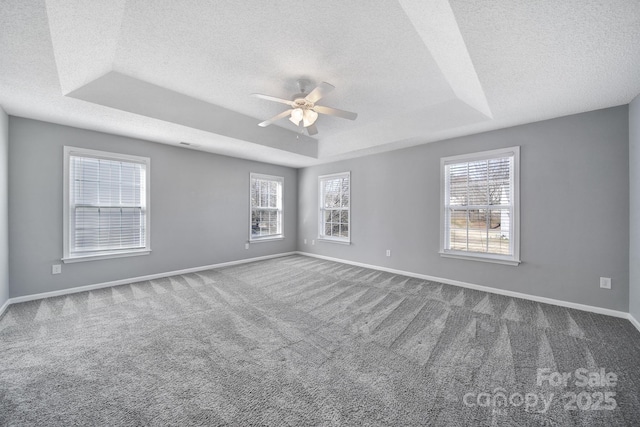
(300, 341)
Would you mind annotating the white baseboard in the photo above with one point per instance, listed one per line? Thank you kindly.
(135, 279)
(583, 307)
(552, 301)
(4, 306)
(634, 322)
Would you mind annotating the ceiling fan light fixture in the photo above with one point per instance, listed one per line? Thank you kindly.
(309, 117)
(304, 109)
(296, 115)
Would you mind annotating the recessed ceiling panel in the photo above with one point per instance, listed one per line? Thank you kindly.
(414, 71)
(434, 119)
(126, 93)
(221, 52)
(84, 37)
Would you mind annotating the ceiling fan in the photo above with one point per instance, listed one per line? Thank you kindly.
(304, 111)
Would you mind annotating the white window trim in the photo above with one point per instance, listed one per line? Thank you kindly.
(476, 256)
(321, 236)
(270, 237)
(66, 207)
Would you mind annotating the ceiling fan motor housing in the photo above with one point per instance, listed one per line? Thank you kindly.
(304, 112)
(301, 102)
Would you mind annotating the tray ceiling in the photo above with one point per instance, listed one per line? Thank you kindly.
(414, 71)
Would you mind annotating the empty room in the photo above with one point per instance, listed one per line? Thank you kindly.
(250, 213)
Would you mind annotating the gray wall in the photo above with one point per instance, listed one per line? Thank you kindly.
(4, 209)
(634, 212)
(199, 208)
(574, 209)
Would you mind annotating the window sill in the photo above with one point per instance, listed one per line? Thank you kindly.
(82, 258)
(267, 239)
(481, 258)
(339, 242)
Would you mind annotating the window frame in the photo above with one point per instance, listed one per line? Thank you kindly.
(268, 237)
(321, 210)
(68, 256)
(512, 259)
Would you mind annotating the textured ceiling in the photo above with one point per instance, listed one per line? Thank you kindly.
(415, 71)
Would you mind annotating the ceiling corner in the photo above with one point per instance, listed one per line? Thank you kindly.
(437, 26)
(84, 36)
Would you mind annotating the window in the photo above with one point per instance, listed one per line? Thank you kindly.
(106, 205)
(335, 217)
(480, 199)
(266, 207)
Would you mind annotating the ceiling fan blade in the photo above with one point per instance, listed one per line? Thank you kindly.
(275, 118)
(321, 90)
(312, 130)
(273, 98)
(335, 112)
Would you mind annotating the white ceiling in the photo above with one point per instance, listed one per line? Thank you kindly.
(415, 71)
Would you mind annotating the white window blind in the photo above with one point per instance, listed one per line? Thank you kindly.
(480, 205)
(107, 204)
(335, 211)
(266, 207)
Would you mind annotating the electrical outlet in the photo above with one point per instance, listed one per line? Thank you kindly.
(388, 252)
(305, 241)
(605, 282)
(246, 246)
(56, 269)
(313, 242)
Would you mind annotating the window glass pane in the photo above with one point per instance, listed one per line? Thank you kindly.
(273, 222)
(345, 200)
(330, 186)
(87, 226)
(87, 192)
(332, 194)
(499, 232)
(278, 228)
(263, 194)
(108, 199)
(477, 189)
(458, 230)
(479, 204)
(130, 220)
(345, 183)
(266, 206)
(255, 223)
(334, 205)
(499, 181)
(477, 230)
(258, 223)
(254, 193)
(329, 200)
(458, 184)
